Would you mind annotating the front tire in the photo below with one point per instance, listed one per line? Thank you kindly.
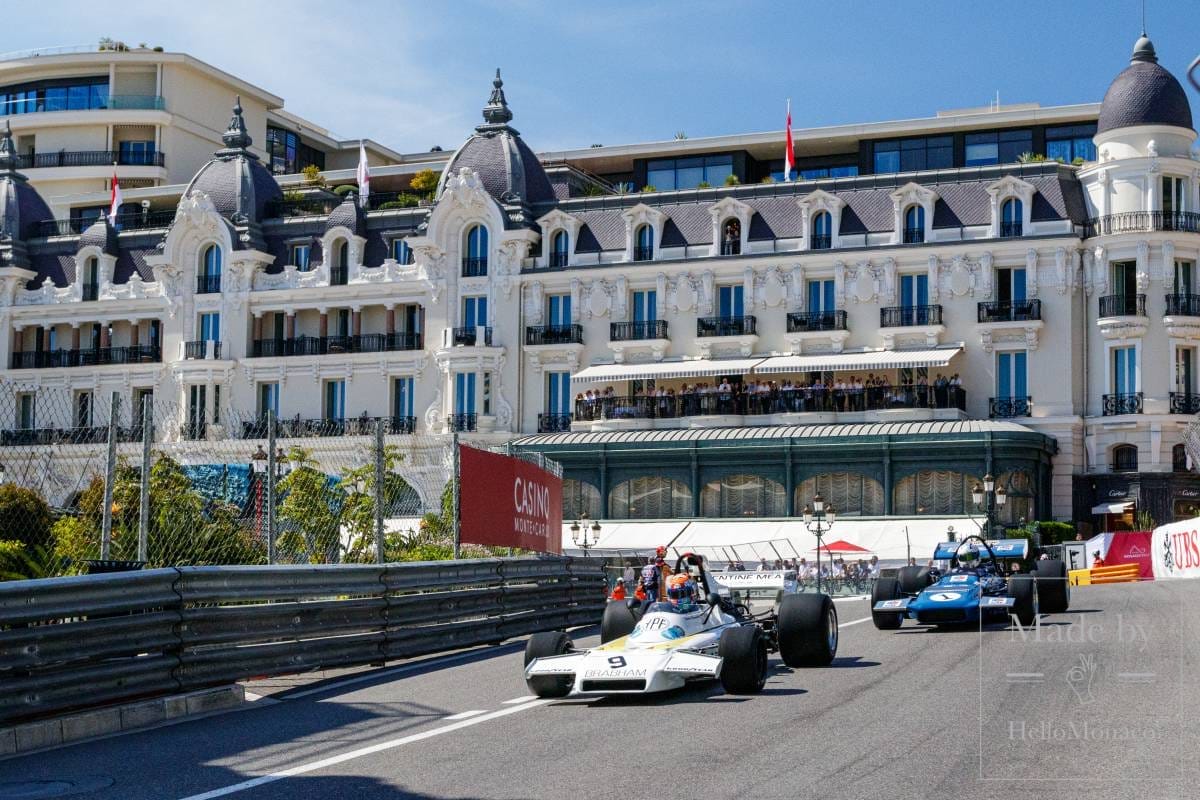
(808, 630)
(540, 645)
(743, 652)
(1054, 591)
(913, 579)
(1023, 589)
(885, 589)
(618, 621)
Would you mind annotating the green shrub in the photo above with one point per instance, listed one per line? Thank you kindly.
(25, 517)
(731, 180)
(1077, 161)
(293, 196)
(401, 201)
(424, 182)
(703, 185)
(344, 189)
(1056, 532)
(312, 175)
(768, 179)
(1031, 158)
(649, 188)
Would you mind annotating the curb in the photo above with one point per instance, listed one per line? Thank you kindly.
(72, 728)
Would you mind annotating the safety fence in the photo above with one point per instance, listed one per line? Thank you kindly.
(85, 641)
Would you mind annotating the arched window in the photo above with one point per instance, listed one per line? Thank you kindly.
(91, 279)
(850, 493)
(401, 252)
(475, 254)
(914, 225)
(822, 231)
(209, 279)
(650, 497)
(1125, 458)
(743, 496)
(1019, 505)
(1179, 458)
(932, 492)
(580, 498)
(339, 264)
(1010, 217)
(643, 248)
(560, 249)
(731, 237)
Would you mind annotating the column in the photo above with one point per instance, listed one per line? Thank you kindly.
(257, 326)
(46, 338)
(323, 330)
(356, 321)
(289, 325)
(789, 481)
(104, 338)
(887, 479)
(74, 335)
(134, 332)
(603, 483)
(391, 320)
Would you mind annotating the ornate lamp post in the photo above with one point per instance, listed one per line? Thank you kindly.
(585, 533)
(988, 498)
(819, 518)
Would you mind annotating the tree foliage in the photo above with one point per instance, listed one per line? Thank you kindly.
(25, 517)
(424, 182)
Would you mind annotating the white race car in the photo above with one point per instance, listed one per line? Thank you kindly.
(722, 636)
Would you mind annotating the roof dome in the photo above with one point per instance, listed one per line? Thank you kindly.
(1144, 94)
(508, 169)
(21, 207)
(235, 180)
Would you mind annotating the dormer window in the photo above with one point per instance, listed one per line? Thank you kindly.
(401, 253)
(643, 249)
(822, 231)
(475, 256)
(299, 255)
(1011, 214)
(731, 238)
(339, 268)
(560, 248)
(91, 279)
(208, 281)
(914, 225)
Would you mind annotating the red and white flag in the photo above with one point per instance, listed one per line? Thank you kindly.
(363, 176)
(114, 205)
(789, 159)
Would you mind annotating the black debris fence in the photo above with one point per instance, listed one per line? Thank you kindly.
(86, 641)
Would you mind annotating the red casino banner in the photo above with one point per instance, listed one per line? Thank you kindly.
(1132, 547)
(508, 502)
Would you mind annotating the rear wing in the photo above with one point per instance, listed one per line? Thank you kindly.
(767, 579)
(1001, 548)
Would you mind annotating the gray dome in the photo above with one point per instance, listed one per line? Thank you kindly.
(1144, 94)
(21, 207)
(235, 180)
(100, 234)
(508, 169)
(349, 214)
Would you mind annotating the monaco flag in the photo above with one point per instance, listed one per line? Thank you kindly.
(363, 175)
(789, 159)
(114, 204)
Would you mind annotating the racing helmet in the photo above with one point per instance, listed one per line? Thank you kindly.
(968, 558)
(680, 587)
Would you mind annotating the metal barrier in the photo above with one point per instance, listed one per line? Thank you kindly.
(68, 643)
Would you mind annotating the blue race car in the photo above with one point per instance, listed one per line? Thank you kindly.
(975, 590)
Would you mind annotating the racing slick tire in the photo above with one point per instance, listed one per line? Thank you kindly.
(1053, 590)
(1023, 590)
(743, 652)
(540, 645)
(913, 579)
(808, 630)
(618, 621)
(886, 589)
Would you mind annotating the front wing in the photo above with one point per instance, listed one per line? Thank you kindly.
(950, 612)
(627, 671)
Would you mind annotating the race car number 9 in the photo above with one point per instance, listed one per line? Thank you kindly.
(616, 662)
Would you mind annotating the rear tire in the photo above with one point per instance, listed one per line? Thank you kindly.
(1023, 589)
(743, 651)
(618, 621)
(913, 579)
(886, 589)
(540, 645)
(808, 630)
(1054, 591)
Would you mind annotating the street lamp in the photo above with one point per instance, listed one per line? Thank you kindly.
(282, 465)
(988, 498)
(819, 518)
(585, 535)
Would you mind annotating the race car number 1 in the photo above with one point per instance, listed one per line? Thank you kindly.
(616, 662)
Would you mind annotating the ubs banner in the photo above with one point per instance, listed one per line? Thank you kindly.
(1176, 549)
(507, 502)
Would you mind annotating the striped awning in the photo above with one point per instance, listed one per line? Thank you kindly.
(858, 362)
(660, 370)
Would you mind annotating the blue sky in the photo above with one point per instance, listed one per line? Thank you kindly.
(412, 75)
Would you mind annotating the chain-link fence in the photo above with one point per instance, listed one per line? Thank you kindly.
(91, 476)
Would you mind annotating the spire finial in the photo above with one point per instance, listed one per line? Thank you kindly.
(235, 135)
(1143, 50)
(497, 112)
(8, 153)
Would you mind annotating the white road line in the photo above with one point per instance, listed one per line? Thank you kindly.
(466, 714)
(854, 622)
(370, 676)
(313, 766)
(1024, 675)
(848, 599)
(516, 700)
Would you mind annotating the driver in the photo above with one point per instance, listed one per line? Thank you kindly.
(681, 591)
(968, 559)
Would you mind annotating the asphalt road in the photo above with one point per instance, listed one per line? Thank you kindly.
(1099, 703)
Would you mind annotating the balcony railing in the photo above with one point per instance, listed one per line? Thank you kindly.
(90, 434)
(1185, 403)
(199, 349)
(731, 248)
(306, 206)
(350, 426)
(90, 158)
(1139, 221)
(558, 260)
(1123, 305)
(1183, 305)
(462, 423)
(91, 291)
(326, 345)
(637, 331)
(553, 334)
(474, 267)
(643, 254)
(1010, 229)
(339, 276)
(1117, 404)
(1010, 311)
(781, 400)
(805, 321)
(554, 423)
(96, 356)
(727, 326)
(208, 284)
(468, 336)
(821, 241)
(1008, 407)
(904, 316)
(114, 102)
(128, 221)
(914, 235)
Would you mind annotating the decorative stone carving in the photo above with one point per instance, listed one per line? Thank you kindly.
(1099, 270)
(1143, 266)
(1031, 272)
(773, 291)
(535, 303)
(1168, 265)
(933, 269)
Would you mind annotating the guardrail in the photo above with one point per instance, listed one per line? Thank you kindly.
(68, 643)
(1117, 573)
